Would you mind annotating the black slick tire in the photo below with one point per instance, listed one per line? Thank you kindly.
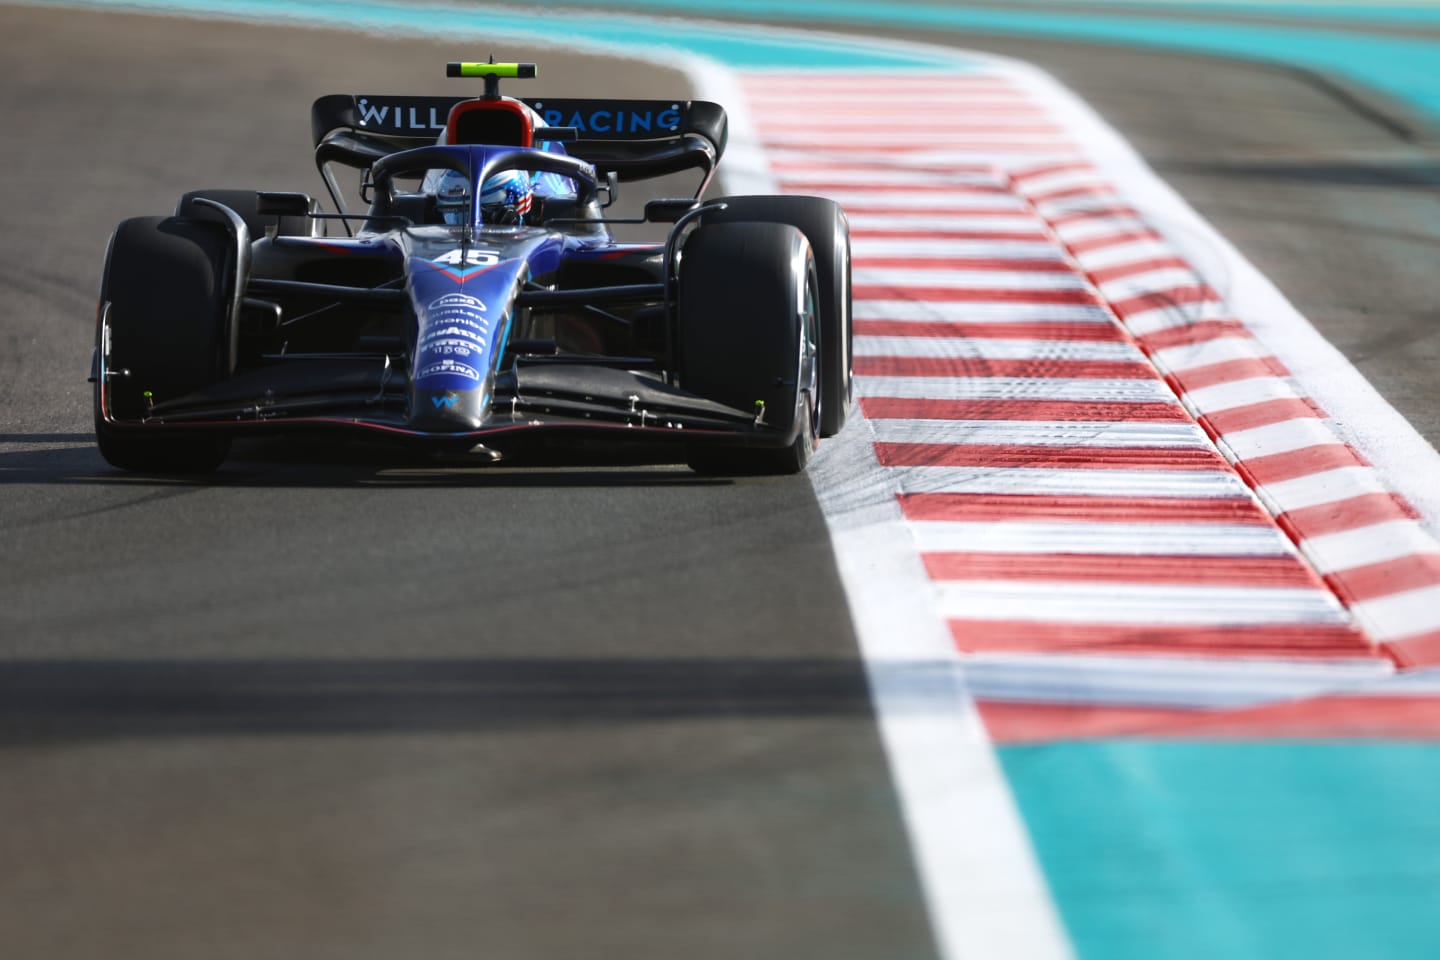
(165, 299)
(746, 305)
(824, 224)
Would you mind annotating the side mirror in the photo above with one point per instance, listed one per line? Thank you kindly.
(668, 210)
(564, 134)
(282, 205)
(611, 188)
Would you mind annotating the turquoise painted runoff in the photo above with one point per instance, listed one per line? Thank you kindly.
(1246, 851)
(1402, 14)
(1405, 68)
(483, 28)
(1419, 13)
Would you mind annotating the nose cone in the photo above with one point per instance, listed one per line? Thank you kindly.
(448, 411)
(457, 316)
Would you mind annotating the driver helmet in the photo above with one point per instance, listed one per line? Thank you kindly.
(452, 196)
(506, 197)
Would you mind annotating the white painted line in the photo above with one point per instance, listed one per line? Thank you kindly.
(1167, 316)
(1039, 481)
(1067, 178)
(927, 202)
(837, 104)
(1401, 615)
(1166, 682)
(1117, 539)
(1241, 393)
(870, 247)
(1131, 433)
(1135, 603)
(1377, 543)
(866, 176)
(951, 278)
(1070, 190)
(1327, 487)
(1120, 254)
(982, 141)
(1014, 388)
(1149, 282)
(1091, 228)
(875, 102)
(1202, 354)
(982, 312)
(898, 127)
(926, 221)
(985, 891)
(1278, 438)
(884, 159)
(1107, 205)
(997, 349)
(1425, 682)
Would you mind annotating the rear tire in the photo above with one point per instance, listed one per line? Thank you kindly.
(824, 225)
(746, 304)
(167, 284)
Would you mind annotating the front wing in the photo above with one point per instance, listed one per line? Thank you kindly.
(560, 397)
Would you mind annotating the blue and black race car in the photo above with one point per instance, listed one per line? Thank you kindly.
(481, 299)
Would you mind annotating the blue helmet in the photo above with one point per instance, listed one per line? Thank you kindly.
(506, 197)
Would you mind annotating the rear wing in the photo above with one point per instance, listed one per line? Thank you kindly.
(634, 139)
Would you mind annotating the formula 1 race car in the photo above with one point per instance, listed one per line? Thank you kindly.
(481, 300)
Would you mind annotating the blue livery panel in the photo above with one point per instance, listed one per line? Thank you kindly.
(463, 317)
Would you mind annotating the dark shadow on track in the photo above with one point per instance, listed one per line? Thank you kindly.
(22, 438)
(89, 700)
(297, 464)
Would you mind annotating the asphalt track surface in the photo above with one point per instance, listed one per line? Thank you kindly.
(373, 709)
(376, 709)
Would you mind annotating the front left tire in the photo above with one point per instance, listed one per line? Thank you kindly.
(747, 308)
(824, 224)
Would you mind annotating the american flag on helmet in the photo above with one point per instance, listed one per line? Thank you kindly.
(507, 191)
(520, 198)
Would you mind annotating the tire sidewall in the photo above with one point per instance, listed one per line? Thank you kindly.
(824, 224)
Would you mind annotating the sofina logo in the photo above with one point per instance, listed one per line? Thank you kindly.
(449, 366)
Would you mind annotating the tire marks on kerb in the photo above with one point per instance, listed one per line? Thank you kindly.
(1367, 542)
(1075, 489)
(1031, 347)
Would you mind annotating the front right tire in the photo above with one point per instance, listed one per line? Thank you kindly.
(165, 301)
